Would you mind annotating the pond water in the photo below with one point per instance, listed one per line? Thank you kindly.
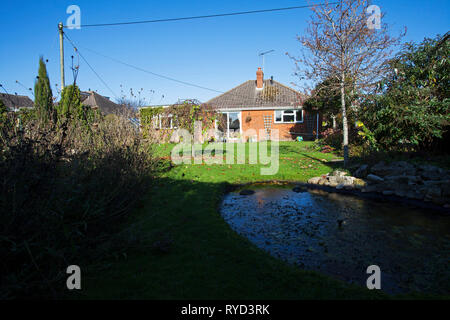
(342, 235)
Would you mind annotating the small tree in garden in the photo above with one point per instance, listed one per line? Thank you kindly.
(132, 104)
(43, 94)
(340, 45)
(134, 101)
(70, 103)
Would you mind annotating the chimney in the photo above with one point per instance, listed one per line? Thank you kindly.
(259, 79)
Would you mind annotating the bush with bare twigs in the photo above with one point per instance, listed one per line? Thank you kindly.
(66, 190)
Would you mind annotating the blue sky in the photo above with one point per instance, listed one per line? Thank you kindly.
(217, 53)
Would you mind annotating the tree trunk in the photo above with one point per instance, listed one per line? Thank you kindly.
(334, 123)
(344, 120)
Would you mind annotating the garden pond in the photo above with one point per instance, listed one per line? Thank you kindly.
(341, 235)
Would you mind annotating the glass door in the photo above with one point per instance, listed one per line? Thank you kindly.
(234, 125)
(229, 125)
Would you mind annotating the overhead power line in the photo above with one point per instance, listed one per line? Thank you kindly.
(150, 72)
(172, 20)
(4, 89)
(28, 89)
(202, 17)
(134, 67)
(163, 76)
(160, 75)
(90, 67)
(153, 73)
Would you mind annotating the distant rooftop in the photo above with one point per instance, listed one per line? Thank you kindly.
(93, 99)
(14, 102)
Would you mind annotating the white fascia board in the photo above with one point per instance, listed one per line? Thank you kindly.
(256, 109)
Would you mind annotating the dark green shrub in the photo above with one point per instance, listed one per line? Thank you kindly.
(3, 108)
(3, 112)
(412, 107)
(70, 103)
(64, 195)
(70, 107)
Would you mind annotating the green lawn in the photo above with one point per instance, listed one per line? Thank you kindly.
(207, 260)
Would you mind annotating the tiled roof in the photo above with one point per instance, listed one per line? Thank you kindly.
(246, 95)
(93, 99)
(12, 101)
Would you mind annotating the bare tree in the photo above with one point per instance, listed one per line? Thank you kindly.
(131, 103)
(343, 44)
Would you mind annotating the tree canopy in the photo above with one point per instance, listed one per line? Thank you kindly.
(339, 45)
(411, 106)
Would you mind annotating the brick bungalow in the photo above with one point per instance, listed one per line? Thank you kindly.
(265, 105)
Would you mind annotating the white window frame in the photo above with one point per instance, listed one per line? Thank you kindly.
(239, 113)
(158, 119)
(282, 116)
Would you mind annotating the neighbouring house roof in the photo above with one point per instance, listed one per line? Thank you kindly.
(95, 100)
(13, 102)
(248, 96)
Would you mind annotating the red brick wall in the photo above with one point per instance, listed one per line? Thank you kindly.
(287, 131)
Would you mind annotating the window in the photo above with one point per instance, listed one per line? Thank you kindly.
(299, 115)
(233, 119)
(278, 116)
(288, 116)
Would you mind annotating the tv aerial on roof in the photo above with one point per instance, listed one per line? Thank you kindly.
(262, 54)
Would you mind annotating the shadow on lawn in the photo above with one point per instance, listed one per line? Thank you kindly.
(191, 241)
(194, 254)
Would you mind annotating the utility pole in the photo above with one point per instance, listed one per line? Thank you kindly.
(61, 52)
